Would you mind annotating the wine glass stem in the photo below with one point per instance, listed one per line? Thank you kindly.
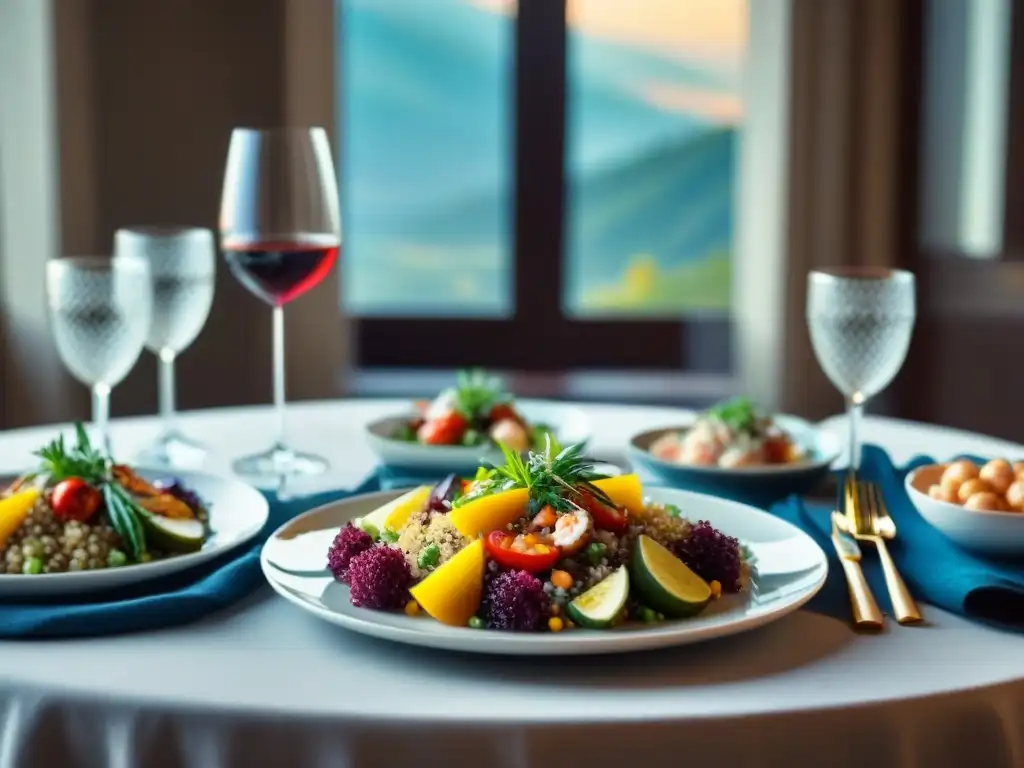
(101, 414)
(854, 410)
(166, 390)
(279, 373)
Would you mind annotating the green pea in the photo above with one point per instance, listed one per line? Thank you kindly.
(428, 557)
(369, 528)
(475, 622)
(32, 566)
(116, 558)
(389, 536)
(648, 616)
(595, 552)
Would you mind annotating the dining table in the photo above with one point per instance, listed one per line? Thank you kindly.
(265, 684)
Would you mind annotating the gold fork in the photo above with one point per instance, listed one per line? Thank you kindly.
(869, 520)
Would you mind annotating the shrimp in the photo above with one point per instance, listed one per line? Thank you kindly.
(572, 531)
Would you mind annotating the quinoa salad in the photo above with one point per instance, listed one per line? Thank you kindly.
(80, 511)
(539, 544)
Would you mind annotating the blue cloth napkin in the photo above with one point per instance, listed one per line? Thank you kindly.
(177, 599)
(935, 569)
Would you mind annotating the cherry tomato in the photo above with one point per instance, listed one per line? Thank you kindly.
(503, 411)
(444, 430)
(74, 499)
(606, 516)
(777, 450)
(515, 553)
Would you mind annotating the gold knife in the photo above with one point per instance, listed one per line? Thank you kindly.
(866, 614)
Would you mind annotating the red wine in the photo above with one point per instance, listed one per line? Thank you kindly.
(278, 271)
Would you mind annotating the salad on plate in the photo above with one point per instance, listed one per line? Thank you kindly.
(80, 511)
(538, 543)
(476, 412)
(729, 435)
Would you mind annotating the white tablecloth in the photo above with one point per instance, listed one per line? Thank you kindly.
(267, 685)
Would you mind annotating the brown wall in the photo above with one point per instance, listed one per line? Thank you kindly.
(148, 94)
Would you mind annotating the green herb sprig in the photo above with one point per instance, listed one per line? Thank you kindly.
(555, 477)
(739, 414)
(61, 461)
(82, 460)
(476, 393)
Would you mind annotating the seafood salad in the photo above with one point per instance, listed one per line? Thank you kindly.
(730, 435)
(537, 544)
(476, 411)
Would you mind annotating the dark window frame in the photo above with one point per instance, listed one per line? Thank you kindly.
(538, 336)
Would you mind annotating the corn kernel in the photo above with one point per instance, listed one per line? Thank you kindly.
(716, 589)
(532, 539)
(541, 549)
(412, 608)
(555, 624)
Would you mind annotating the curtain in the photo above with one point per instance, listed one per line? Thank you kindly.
(850, 79)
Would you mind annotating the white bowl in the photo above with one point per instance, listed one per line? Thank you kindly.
(981, 531)
(570, 424)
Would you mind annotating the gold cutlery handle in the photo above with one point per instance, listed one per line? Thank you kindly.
(866, 614)
(903, 605)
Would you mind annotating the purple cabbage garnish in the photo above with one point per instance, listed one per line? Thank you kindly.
(443, 494)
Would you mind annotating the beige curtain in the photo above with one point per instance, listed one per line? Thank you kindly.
(851, 72)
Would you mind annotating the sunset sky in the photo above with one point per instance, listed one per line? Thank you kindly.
(710, 33)
(704, 29)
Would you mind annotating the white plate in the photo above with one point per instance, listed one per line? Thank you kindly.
(237, 513)
(570, 424)
(1000, 534)
(791, 569)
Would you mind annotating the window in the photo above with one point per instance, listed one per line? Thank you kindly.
(426, 157)
(503, 207)
(653, 105)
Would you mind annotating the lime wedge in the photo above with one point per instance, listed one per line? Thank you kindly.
(602, 604)
(665, 583)
(394, 514)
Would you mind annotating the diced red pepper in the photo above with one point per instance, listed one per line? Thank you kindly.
(444, 430)
(606, 516)
(500, 547)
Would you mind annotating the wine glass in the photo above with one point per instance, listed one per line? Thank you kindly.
(181, 260)
(280, 231)
(861, 321)
(100, 311)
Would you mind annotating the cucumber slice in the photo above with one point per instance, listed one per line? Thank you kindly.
(602, 604)
(173, 535)
(664, 582)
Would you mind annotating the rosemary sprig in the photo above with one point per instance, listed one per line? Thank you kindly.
(555, 477)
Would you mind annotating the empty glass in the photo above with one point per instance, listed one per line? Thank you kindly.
(100, 311)
(181, 260)
(861, 321)
(280, 231)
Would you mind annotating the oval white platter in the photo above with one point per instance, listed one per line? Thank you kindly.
(238, 513)
(570, 424)
(791, 568)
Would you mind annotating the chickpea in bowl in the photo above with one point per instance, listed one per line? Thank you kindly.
(978, 506)
(996, 486)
